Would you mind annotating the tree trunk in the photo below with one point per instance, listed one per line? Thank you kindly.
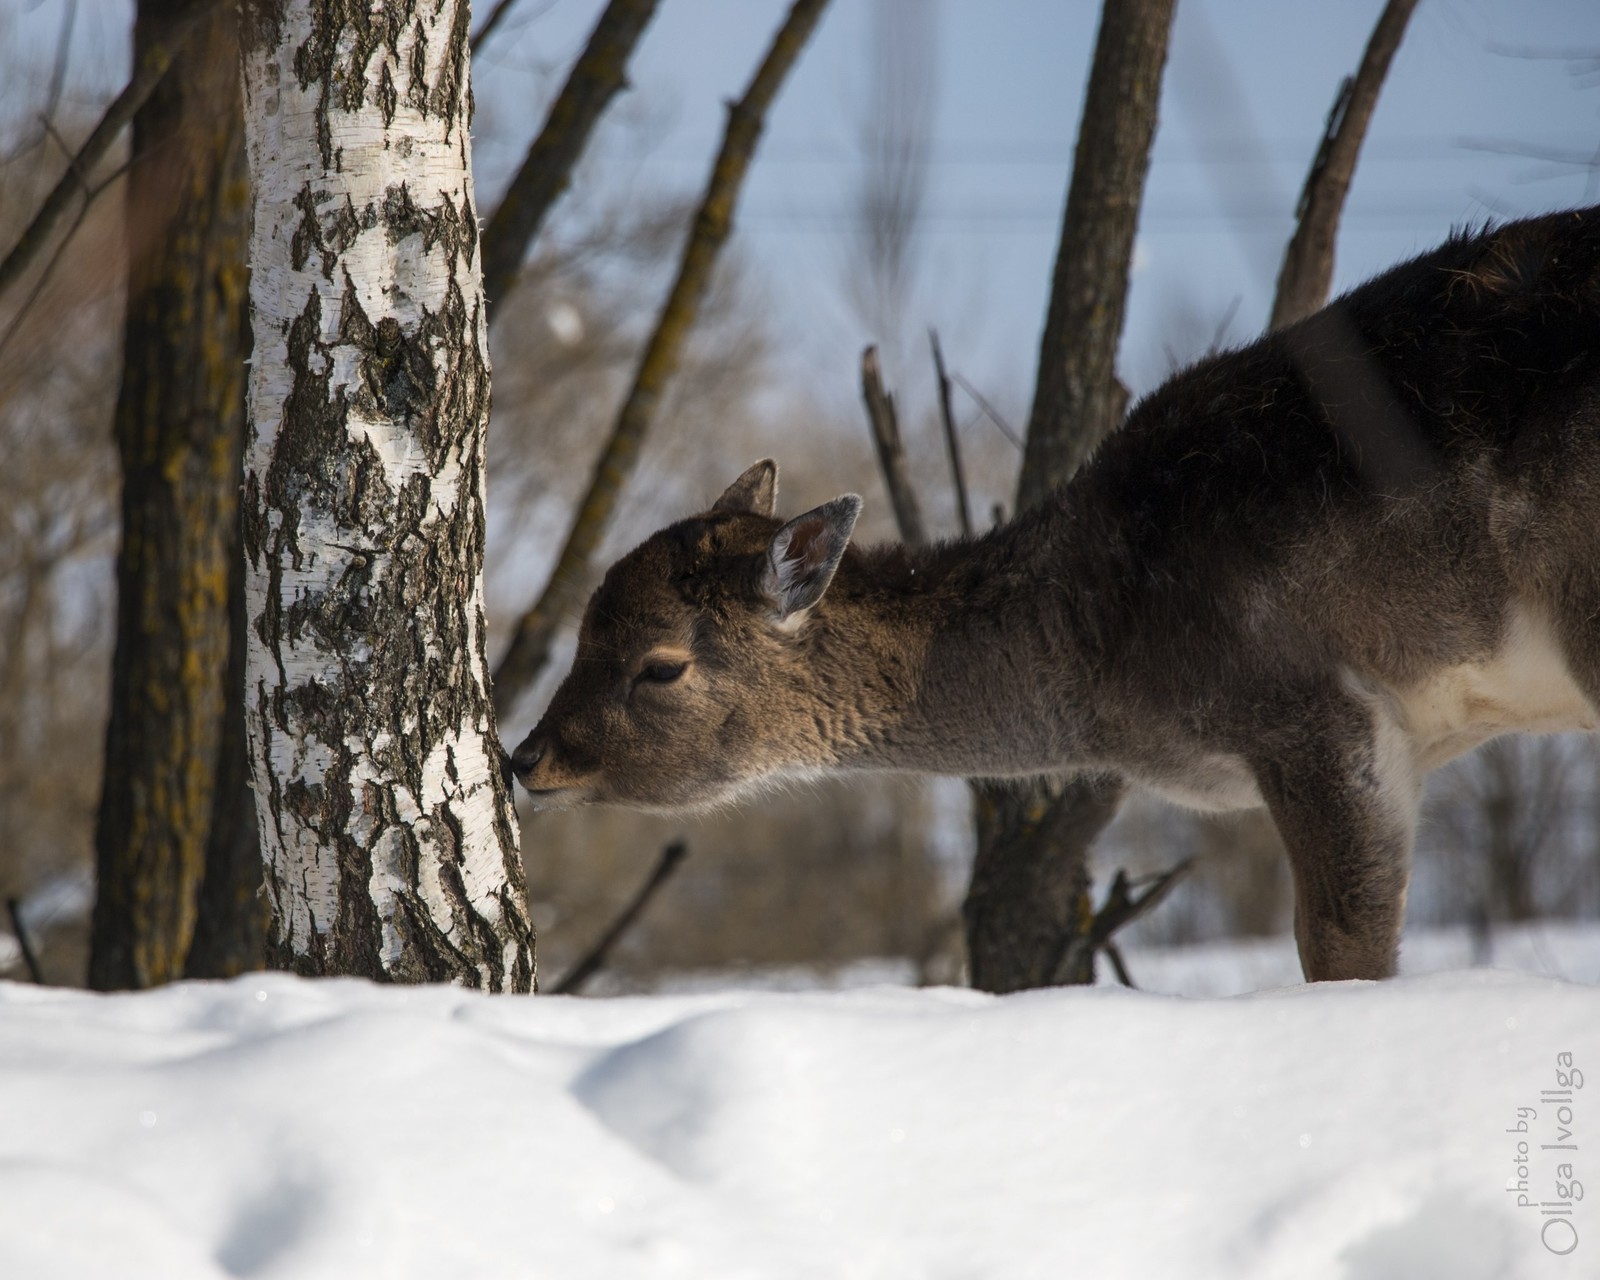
(1028, 912)
(387, 828)
(230, 929)
(1307, 270)
(178, 419)
(1077, 399)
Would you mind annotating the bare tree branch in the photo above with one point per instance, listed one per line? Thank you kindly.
(1076, 400)
(490, 23)
(42, 281)
(885, 424)
(952, 444)
(52, 98)
(1307, 269)
(596, 77)
(147, 73)
(530, 646)
(594, 960)
(58, 72)
(989, 411)
(1123, 905)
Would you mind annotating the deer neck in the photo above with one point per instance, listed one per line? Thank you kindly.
(959, 658)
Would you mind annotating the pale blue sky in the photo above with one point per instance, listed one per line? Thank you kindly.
(1248, 85)
(1246, 91)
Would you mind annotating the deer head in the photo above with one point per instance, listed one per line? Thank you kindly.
(691, 684)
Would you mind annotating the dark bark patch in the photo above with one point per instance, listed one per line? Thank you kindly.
(469, 226)
(261, 25)
(453, 75)
(388, 95)
(311, 434)
(345, 36)
(444, 225)
(331, 237)
(417, 86)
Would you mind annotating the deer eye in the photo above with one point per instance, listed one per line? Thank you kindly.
(662, 672)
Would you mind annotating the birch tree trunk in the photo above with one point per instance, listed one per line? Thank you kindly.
(387, 828)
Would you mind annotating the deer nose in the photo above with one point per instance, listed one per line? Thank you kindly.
(525, 759)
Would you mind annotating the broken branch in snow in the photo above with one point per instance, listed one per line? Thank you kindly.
(28, 957)
(1125, 902)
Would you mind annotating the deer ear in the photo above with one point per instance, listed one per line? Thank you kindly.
(803, 555)
(755, 492)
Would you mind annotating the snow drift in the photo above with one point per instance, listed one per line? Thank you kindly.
(277, 1127)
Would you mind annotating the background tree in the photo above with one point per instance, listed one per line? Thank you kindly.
(1027, 911)
(388, 835)
(179, 418)
(598, 74)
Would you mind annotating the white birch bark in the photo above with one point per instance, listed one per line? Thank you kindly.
(386, 823)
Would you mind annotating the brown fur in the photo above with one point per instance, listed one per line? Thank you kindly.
(1302, 574)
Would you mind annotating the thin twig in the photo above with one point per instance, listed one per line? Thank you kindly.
(52, 98)
(595, 959)
(952, 445)
(91, 194)
(152, 65)
(885, 424)
(1121, 908)
(1114, 954)
(989, 411)
(1530, 151)
(58, 73)
(490, 23)
(43, 281)
(530, 645)
(74, 165)
(28, 957)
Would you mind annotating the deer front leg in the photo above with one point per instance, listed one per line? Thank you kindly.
(1345, 803)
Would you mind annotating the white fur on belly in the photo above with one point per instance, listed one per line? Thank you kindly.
(1525, 686)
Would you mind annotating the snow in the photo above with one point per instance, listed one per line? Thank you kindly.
(279, 1127)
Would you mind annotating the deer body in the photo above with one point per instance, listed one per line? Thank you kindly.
(1301, 575)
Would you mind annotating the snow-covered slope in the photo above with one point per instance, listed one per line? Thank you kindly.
(281, 1128)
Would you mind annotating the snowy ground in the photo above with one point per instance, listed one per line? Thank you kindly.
(281, 1128)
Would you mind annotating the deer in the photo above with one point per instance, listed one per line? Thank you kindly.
(1300, 575)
